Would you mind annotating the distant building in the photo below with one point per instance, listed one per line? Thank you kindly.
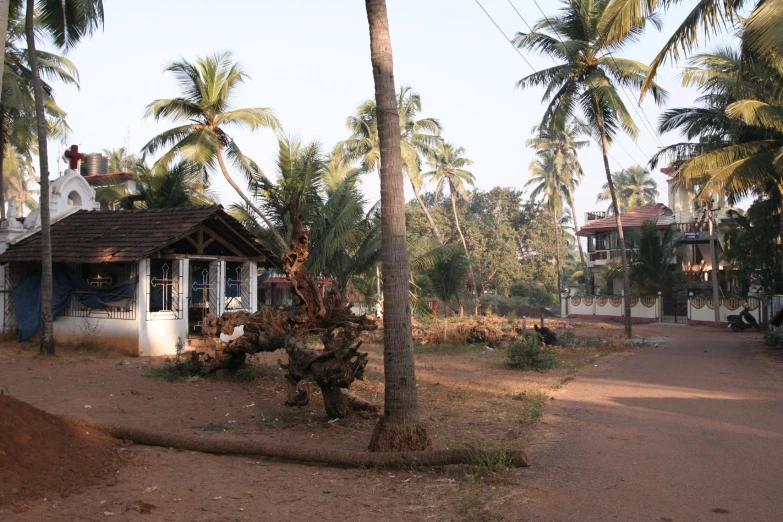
(684, 212)
(136, 280)
(274, 288)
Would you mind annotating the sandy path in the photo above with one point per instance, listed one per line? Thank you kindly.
(691, 430)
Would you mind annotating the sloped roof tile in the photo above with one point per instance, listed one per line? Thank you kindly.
(103, 236)
(633, 218)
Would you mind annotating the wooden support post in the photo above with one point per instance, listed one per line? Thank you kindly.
(542, 320)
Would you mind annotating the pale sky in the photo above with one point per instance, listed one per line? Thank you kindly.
(309, 60)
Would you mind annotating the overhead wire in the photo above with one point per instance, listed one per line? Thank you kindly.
(629, 96)
(619, 165)
(504, 36)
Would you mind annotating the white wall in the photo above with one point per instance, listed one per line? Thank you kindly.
(705, 314)
(607, 306)
(253, 284)
(158, 331)
(116, 334)
(640, 311)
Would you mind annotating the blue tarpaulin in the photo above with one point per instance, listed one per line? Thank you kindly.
(27, 297)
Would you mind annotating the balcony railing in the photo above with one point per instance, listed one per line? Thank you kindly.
(604, 256)
(594, 216)
(694, 227)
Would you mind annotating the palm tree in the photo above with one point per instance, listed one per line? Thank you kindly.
(739, 127)
(623, 16)
(344, 239)
(761, 29)
(419, 137)
(319, 211)
(19, 172)
(583, 38)
(634, 187)
(562, 142)
(177, 185)
(120, 160)
(206, 112)
(448, 170)
(17, 105)
(66, 22)
(546, 182)
(400, 427)
(447, 268)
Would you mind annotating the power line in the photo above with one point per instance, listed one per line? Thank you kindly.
(644, 154)
(619, 165)
(629, 97)
(504, 36)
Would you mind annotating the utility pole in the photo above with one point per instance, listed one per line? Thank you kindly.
(714, 248)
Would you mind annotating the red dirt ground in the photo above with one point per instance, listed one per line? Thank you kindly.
(683, 431)
(41, 454)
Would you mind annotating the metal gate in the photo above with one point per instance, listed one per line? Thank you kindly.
(775, 303)
(204, 288)
(675, 307)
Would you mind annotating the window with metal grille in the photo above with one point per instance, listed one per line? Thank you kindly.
(237, 296)
(163, 289)
(102, 276)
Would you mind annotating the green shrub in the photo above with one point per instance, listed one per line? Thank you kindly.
(528, 353)
(494, 300)
(512, 317)
(773, 340)
(566, 338)
(535, 294)
(177, 368)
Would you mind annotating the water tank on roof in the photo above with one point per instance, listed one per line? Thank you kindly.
(94, 164)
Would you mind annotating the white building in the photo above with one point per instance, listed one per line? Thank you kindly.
(135, 280)
(685, 212)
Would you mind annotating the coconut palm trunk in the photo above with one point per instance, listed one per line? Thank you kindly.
(47, 335)
(465, 246)
(618, 221)
(5, 5)
(426, 212)
(557, 251)
(578, 243)
(399, 429)
(2, 158)
(247, 200)
(780, 224)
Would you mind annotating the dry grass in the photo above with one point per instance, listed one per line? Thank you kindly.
(467, 396)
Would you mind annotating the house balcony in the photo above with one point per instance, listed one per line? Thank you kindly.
(594, 216)
(694, 232)
(605, 257)
(602, 257)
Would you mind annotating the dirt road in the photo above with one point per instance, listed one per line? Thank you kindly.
(686, 431)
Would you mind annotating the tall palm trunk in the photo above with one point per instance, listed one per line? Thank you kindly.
(578, 243)
(780, 229)
(4, 7)
(47, 334)
(246, 199)
(426, 212)
(2, 159)
(715, 269)
(557, 253)
(399, 429)
(465, 246)
(620, 235)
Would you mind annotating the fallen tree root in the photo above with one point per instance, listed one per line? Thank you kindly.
(306, 454)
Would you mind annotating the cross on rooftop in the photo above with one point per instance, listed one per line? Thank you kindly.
(73, 156)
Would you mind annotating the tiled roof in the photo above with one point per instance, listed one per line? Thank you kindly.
(633, 218)
(103, 236)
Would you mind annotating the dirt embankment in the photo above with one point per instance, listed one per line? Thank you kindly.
(41, 454)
